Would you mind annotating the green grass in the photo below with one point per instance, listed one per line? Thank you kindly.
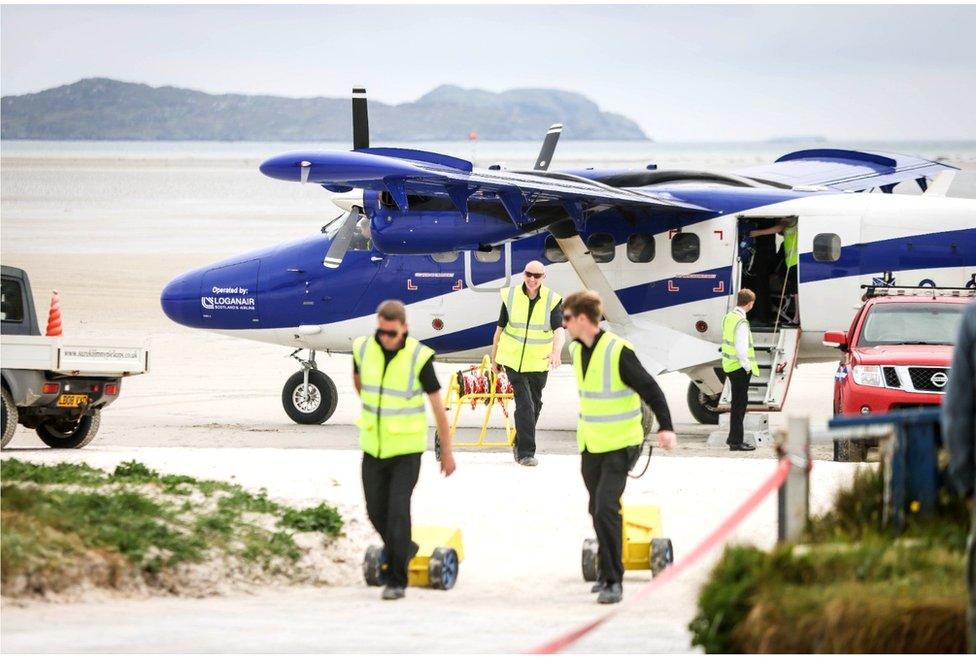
(54, 517)
(851, 586)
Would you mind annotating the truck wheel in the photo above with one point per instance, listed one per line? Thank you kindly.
(703, 407)
(70, 433)
(312, 407)
(442, 568)
(591, 559)
(9, 418)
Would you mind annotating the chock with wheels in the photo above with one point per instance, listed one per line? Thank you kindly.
(644, 546)
(436, 564)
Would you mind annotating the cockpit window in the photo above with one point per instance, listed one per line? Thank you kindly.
(362, 239)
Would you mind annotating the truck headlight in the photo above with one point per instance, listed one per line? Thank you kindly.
(868, 376)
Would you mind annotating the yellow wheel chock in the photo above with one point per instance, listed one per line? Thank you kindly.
(644, 546)
(436, 564)
(473, 386)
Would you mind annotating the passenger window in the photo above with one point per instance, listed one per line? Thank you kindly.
(444, 257)
(685, 247)
(488, 256)
(553, 252)
(826, 247)
(640, 248)
(601, 246)
(11, 302)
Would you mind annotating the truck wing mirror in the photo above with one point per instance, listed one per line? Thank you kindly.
(835, 339)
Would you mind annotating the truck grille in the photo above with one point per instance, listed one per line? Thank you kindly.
(891, 377)
(929, 378)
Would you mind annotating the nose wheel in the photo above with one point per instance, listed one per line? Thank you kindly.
(309, 396)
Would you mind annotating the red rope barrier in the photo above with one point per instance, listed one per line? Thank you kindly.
(721, 531)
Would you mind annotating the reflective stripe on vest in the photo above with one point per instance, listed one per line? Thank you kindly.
(392, 420)
(610, 411)
(730, 358)
(790, 246)
(525, 343)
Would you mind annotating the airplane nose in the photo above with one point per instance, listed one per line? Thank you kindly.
(180, 299)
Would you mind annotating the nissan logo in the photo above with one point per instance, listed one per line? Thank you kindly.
(939, 379)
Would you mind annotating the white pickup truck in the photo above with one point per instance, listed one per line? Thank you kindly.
(52, 384)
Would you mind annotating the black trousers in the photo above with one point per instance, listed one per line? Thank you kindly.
(605, 475)
(388, 485)
(740, 400)
(528, 403)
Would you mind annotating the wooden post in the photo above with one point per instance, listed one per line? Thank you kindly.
(794, 495)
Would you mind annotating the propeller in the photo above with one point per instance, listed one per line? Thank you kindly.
(548, 148)
(333, 258)
(360, 119)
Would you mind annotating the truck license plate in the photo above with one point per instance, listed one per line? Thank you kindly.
(72, 400)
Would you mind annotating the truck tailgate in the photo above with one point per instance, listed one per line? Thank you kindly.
(75, 357)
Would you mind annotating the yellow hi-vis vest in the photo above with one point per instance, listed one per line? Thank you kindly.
(730, 359)
(393, 420)
(790, 247)
(610, 411)
(526, 342)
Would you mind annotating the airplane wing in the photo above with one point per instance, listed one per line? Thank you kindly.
(404, 172)
(842, 169)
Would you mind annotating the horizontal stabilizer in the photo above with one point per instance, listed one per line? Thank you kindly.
(844, 169)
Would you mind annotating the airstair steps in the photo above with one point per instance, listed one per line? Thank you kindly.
(776, 357)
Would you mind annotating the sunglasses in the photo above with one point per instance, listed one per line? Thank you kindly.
(535, 275)
(390, 333)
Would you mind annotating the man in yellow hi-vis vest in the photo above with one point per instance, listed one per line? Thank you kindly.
(611, 383)
(739, 364)
(528, 342)
(391, 372)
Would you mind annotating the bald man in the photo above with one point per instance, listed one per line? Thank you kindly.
(528, 342)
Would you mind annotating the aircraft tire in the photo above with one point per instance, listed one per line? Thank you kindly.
(324, 398)
(702, 406)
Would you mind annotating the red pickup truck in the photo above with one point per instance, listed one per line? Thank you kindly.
(897, 351)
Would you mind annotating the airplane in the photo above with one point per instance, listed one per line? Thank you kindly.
(666, 249)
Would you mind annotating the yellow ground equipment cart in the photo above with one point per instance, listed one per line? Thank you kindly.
(645, 548)
(474, 386)
(436, 564)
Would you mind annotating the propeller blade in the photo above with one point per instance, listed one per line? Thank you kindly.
(548, 148)
(360, 119)
(333, 258)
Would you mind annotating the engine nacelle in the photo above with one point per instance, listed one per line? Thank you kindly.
(430, 231)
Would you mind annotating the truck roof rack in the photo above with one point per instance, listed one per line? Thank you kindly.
(874, 290)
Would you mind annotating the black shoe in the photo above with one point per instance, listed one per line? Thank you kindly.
(414, 548)
(598, 586)
(612, 594)
(394, 592)
(742, 447)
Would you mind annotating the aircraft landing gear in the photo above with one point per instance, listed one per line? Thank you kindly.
(702, 406)
(309, 396)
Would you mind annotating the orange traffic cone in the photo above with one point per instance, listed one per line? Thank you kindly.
(54, 316)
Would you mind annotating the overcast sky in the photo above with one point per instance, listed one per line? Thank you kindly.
(683, 73)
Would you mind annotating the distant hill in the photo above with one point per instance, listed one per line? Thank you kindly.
(104, 109)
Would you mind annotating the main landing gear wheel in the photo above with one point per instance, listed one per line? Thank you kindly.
(311, 405)
(591, 559)
(442, 568)
(70, 433)
(703, 407)
(374, 566)
(662, 554)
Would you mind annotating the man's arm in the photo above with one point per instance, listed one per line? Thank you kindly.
(635, 376)
(431, 386)
(742, 345)
(959, 408)
(494, 348)
(558, 340)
